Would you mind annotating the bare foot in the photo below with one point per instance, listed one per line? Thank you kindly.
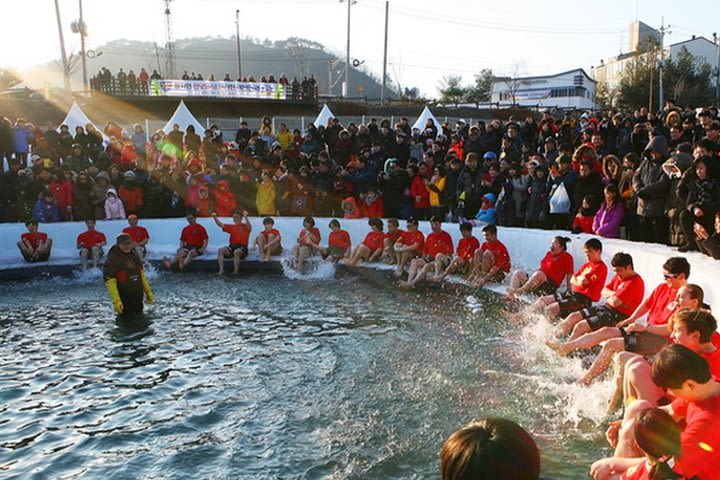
(221, 272)
(405, 285)
(398, 273)
(561, 348)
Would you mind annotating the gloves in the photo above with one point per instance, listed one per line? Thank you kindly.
(149, 296)
(112, 289)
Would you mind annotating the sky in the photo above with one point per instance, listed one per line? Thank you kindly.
(427, 39)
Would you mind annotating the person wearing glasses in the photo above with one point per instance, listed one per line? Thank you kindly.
(635, 334)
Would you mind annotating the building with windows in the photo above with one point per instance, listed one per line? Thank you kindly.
(642, 38)
(573, 89)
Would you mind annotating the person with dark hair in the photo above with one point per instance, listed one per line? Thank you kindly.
(125, 278)
(89, 244)
(34, 246)
(585, 287)
(437, 243)
(308, 235)
(709, 243)
(372, 246)
(651, 186)
(237, 249)
(462, 261)
(493, 448)
(139, 235)
(556, 268)
(622, 296)
(339, 244)
(702, 202)
(408, 246)
(193, 243)
(609, 216)
(491, 261)
(269, 242)
(633, 335)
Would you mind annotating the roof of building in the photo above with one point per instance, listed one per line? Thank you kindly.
(520, 79)
(693, 39)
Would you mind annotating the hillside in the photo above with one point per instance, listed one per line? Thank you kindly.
(217, 56)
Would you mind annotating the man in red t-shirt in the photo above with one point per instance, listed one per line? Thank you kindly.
(339, 244)
(438, 248)
(35, 246)
(371, 247)
(408, 246)
(391, 237)
(193, 242)
(632, 335)
(462, 261)
(139, 235)
(90, 243)
(269, 242)
(491, 262)
(622, 296)
(685, 375)
(239, 232)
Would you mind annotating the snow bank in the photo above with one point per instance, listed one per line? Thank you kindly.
(526, 246)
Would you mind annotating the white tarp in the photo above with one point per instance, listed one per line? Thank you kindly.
(183, 117)
(76, 117)
(422, 120)
(323, 117)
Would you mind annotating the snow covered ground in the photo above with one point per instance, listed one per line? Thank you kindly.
(526, 246)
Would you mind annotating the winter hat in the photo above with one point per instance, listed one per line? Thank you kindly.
(490, 198)
(129, 174)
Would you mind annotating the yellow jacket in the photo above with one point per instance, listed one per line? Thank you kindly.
(265, 199)
(435, 197)
(285, 139)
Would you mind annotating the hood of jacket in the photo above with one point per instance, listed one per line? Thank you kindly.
(658, 144)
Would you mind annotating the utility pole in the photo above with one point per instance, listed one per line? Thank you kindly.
(63, 54)
(384, 78)
(83, 31)
(663, 30)
(346, 86)
(237, 38)
(157, 59)
(652, 71)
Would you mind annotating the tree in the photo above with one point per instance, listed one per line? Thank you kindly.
(481, 90)
(605, 97)
(451, 91)
(8, 79)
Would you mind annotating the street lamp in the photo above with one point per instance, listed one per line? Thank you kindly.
(80, 27)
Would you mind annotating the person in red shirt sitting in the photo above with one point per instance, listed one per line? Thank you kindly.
(462, 261)
(269, 242)
(686, 376)
(372, 246)
(491, 261)
(586, 285)
(193, 242)
(556, 268)
(139, 235)
(692, 327)
(339, 244)
(307, 236)
(239, 232)
(90, 243)
(391, 237)
(408, 246)
(632, 335)
(623, 294)
(438, 242)
(35, 246)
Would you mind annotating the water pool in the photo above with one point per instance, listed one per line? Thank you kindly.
(266, 377)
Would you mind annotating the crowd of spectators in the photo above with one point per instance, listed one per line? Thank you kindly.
(642, 176)
(131, 83)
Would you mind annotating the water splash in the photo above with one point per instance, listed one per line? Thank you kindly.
(312, 269)
(91, 275)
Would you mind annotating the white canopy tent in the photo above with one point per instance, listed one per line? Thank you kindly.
(423, 118)
(184, 118)
(76, 117)
(323, 117)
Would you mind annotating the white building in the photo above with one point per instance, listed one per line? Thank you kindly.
(610, 71)
(573, 89)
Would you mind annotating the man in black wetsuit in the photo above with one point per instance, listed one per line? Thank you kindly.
(125, 279)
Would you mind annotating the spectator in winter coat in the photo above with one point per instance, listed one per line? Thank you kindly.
(538, 193)
(114, 209)
(46, 210)
(265, 196)
(22, 138)
(651, 186)
(81, 203)
(225, 202)
(371, 205)
(589, 184)
(487, 213)
(468, 188)
(393, 184)
(709, 243)
(702, 203)
(131, 194)
(609, 217)
(419, 192)
(98, 194)
(62, 188)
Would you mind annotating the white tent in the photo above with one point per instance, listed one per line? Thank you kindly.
(76, 117)
(184, 118)
(422, 120)
(323, 116)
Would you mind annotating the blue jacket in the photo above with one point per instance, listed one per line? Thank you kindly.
(45, 212)
(21, 139)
